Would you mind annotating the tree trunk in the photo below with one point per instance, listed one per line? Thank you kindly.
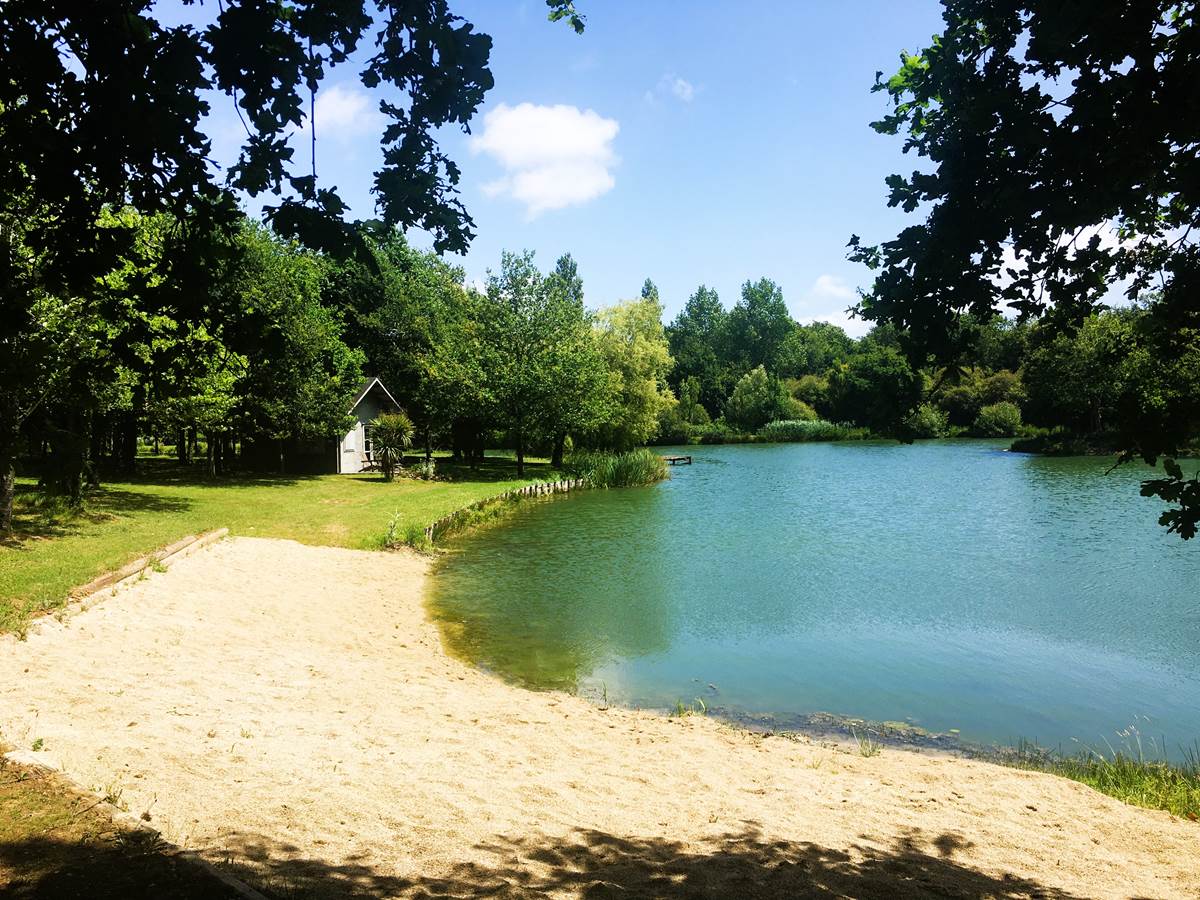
(282, 466)
(556, 458)
(127, 442)
(98, 446)
(428, 445)
(8, 468)
(8, 487)
(520, 452)
(209, 457)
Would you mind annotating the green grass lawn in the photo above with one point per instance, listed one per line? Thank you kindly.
(52, 553)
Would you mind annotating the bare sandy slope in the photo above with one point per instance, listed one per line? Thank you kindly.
(290, 709)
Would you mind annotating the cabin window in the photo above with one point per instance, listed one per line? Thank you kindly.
(367, 429)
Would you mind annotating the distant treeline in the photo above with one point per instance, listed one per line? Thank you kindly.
(751, 370)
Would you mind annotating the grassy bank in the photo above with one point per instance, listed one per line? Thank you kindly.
(1128, 774)
(611, 470)
(53, 551)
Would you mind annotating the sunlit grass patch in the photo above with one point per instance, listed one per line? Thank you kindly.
(55, 549)
(1132, 772)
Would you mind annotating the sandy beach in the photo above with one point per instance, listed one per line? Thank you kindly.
(288, 712)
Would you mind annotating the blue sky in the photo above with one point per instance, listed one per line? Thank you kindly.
(691, 143)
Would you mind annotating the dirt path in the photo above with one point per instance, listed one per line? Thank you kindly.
(289, 709)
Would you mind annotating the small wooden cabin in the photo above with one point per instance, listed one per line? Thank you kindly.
(354, 449)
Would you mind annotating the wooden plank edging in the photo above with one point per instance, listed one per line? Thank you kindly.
(537, 489)
(163, 557)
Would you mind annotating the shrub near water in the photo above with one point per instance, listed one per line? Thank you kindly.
(608, 470)
(1001, 419)
(791, 431)
(927, 421)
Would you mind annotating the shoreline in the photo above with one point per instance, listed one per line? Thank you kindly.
(289, 712)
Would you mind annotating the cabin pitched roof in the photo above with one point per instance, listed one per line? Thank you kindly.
(366, 389)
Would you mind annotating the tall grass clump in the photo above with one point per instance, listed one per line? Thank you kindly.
(1130, 774)
(611, 470)
(399, 534)
(797, 430)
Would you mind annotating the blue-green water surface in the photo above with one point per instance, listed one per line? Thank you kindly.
(949, 584)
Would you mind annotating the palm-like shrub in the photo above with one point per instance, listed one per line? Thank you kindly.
(391, 435)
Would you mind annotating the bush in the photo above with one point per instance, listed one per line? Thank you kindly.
(610, 470)
(812, 390)
(426, 470)
(1001, 419)
(791, 431)
(673, 428)
(758, 398)
(961, 403)
(719, 432)
(927, 421)
(793, 410)
(1000, 387)
(874, 388)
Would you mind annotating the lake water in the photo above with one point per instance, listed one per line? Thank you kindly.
(949, 584)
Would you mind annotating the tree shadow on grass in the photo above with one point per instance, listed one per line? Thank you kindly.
(491, 468)
(594, 864)
(37, 517)
(169, 472)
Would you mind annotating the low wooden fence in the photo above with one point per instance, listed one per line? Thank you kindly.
(539, 489)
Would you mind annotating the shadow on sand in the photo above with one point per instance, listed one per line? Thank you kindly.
(594, 864)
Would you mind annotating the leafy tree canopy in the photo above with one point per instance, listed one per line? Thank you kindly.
(1063, 149)
(634, 345)
(77, 76)
(758, 324)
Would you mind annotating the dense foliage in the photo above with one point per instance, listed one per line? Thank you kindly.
(521, 363)
(1062, 142)
(102, 107)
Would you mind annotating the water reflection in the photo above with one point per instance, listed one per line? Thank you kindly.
(577, 597)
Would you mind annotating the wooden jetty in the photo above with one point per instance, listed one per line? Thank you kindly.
(678, 460)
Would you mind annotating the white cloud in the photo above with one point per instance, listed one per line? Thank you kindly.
(553, 156)
(672, 86)
(681, 88)
(344, 112)
(826, 301)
